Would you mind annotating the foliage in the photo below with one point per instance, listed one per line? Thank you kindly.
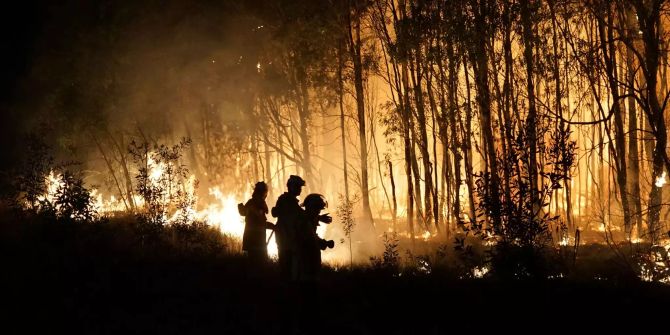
(29, 185)
(52, 191)
(523, 233)
(195, 238)
(653, 264)
(345, 213)
(390, 260)
(160, 179)
(73, 200)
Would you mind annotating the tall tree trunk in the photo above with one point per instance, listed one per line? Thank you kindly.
(435, 190)
(108, 162)
(355, 51)
(303, 114)
(122, 151)
(506, 97)
(433, 168)
(456, 147)
(609, 54)
(568, 186)
(408, 173)
(531, 121)
(394, 212)
(633, 152)
(340, 92)
(255, 157)
(467, 145)
(268, 170)
(417, 179)
(649, 21)
(411, 133)
(562, 127)
(422, 142)
(398, 84)
(481, 71)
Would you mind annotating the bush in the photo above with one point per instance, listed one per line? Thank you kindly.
(514, 223)
(390, 260)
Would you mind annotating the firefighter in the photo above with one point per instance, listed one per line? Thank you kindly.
(288, 213)
(254, 211)
(307, 262)
(308, 243)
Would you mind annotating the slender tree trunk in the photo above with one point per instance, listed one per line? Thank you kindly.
(282, 161)
(633, 152)
(108, 162)
(531, 121)
(417, 181)
(411, 134)
(609, 55)
(433, 167)
(303, 115)
(481, 71)
(355, 51)
(340, 83)
(255, 157)
(423, 136)
(398, 84)
(410, 190)
(506, 97)
(394, 212)
(467, 146)
(456, 146)
(122, 152)
(568, 187)
(649, 21)
(379, 166)
(562, 127)
(268, 171)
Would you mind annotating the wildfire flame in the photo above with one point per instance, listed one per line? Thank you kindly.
(53, 182)
(660, 181)
(480, 272)
(565, 241)
(426, 236)
(224, 215)
(221, 213)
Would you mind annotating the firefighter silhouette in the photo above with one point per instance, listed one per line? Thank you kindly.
(254, 211)
(307, 257)
(289, 215)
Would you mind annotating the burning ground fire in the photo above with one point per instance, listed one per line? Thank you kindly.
(221, 213)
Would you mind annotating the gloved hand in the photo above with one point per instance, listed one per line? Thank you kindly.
(241, 209)
(324, 244)
(325, 218)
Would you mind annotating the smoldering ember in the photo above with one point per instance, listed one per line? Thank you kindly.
(334, 166)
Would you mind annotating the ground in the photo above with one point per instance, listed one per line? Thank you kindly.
(55, 283)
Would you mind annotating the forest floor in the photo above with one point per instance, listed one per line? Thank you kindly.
(59, 278)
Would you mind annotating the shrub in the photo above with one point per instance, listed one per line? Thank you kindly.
(390, 260)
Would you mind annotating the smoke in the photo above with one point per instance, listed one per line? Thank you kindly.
(103, 74)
